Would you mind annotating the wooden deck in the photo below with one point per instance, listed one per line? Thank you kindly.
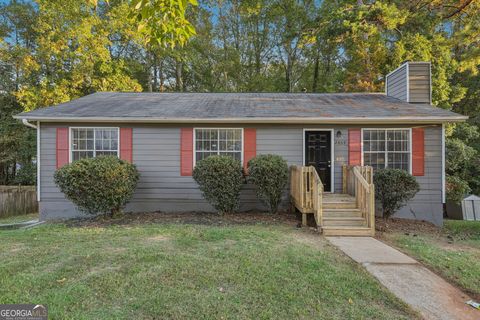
(351, 213)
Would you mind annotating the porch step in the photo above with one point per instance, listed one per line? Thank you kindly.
(347, 231)
(338, 197)
(341, 212)
(340, 205)
(344, 222)
(339, 201)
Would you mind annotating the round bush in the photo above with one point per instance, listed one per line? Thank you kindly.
(98, 185)
(220, 179)
(394, 188)
(269, 174)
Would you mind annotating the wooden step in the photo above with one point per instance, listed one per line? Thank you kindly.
(340, 205)
(344, 222)
(348, 231)
(337, 197)
(343, 212)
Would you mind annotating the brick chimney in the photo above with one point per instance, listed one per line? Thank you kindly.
(411, 82)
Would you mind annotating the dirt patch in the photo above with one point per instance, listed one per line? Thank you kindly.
(16, 247)
(309, 237)
(158, 238)
(201, 218)
(406, 226)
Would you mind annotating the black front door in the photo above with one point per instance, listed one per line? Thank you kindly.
(318, 147)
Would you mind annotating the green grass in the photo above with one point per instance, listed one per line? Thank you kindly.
(463, 229)
(182, 271)
(453, 253)
(21, 218)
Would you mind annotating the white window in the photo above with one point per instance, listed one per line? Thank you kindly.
(218, 142)
(93, 142)
(387, 148)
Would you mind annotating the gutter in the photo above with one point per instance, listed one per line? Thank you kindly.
(321, 120)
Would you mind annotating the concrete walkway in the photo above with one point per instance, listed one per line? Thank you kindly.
(423, 290)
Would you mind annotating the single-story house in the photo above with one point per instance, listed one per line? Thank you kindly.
(165, 134)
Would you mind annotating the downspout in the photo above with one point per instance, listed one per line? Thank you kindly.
(28, 124)
(37, 127)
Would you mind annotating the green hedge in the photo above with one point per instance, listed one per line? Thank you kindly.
(269, 174)
(220, 179)
(98, 185)
(394, 188)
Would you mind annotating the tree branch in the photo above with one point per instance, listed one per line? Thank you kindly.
(457, 10)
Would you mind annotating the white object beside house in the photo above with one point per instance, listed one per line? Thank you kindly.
(471, 208)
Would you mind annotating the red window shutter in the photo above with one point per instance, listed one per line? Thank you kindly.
(249, 145)
(126, 146)
(186, 151)
(62, 147)
(418, 151)
(354, 147)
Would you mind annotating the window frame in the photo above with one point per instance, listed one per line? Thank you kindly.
(70, 140)
(386, 150)
(216, 128)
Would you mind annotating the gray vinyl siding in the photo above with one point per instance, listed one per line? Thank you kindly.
(410, 83)
(427, 204)
(397, 84)
(419, 86)
(156, 152)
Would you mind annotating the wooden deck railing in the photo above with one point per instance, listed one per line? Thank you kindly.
(358, 182)
(306, 191)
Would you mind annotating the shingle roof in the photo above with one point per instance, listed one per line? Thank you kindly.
(240, 107)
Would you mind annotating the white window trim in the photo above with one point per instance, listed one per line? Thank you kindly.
(70, 139)
(215, 128)
(332, 154)
(390, 129)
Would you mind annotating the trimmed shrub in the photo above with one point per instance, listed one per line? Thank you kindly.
(220, 179)
(98, 185)
(269, 174)
(394, 188)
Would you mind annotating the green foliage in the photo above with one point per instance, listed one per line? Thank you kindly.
(269, 174)
(26, 175)
(17, 142)
(98, 185)
(220, 179)
(457, 188)
(458, 156)
(163, 22)
(394, 188)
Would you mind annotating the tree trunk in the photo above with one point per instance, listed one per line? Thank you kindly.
(161, 77)
(178, 76)
(155, 73)
(316, 67)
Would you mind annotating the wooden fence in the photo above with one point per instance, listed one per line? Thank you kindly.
(17, 200)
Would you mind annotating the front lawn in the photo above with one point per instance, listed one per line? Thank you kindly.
(19, 218)
(184, 271)
(452, 251)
